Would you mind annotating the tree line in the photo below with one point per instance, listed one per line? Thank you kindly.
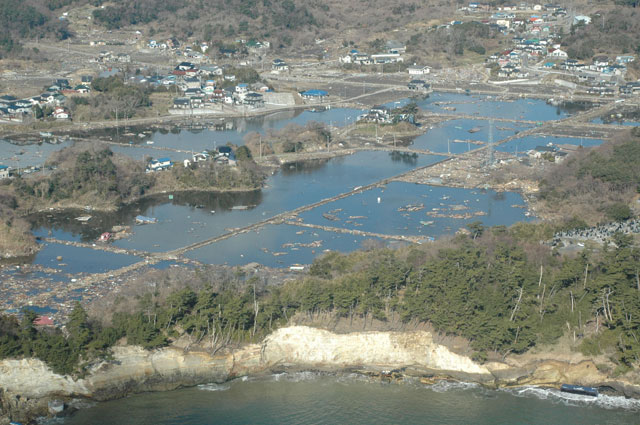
(496, 287)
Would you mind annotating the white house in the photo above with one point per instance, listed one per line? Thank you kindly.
(4, 172)
(61, 114)
(557, 53)
(418, 70)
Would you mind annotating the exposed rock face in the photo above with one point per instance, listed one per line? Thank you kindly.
(303, 346)
(26, 384)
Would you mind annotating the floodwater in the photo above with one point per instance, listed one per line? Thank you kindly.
(22, 156)
(454, 136)
(419, 210)
(189, 218)
(490, 106)
(186, 218)
(524, 144)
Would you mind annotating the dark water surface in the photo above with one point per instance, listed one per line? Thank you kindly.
(306, 398)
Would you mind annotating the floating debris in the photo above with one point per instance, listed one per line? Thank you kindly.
(330, 217)
(411, 208)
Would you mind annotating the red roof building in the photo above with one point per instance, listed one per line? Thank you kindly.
(43, 321)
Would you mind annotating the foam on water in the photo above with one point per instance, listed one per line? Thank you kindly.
(568, 399)
(214, 387)
(444, 386)
(295, 376)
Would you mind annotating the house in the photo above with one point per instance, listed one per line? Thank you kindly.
(630, 88)
(182, 103)
(211, 69)
(254, 99)
(159, 164)
(314, 94)
(61, 113)
(192, 94)
(418, 70)
(625, 59)
(82, 89)
(557, 53)
(539, 151)
(191, 82)
(201, 157)
(6, 99)
(225, 151)
(242, 88)
(4, 172)
(279, 65)
(185, 66)
(383, 58)
(86, 80)
(395, 47)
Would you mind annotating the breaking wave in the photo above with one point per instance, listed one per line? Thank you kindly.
(444, 386)
(568, 399)
(214, 387)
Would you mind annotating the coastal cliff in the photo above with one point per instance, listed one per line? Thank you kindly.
(27, 384)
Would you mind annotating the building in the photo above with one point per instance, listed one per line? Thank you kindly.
(279, 65)
(557, 53)
(419, 70)
(159, 164)
(4, 172)
(254, 99)
(61, 113)
(314, 94)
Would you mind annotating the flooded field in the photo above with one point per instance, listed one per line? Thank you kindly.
(419, 210)
(524, 144)
(189, 218)
(394, 214)
(27, 155)
(277, 246)
(490, 106)
(463, 135)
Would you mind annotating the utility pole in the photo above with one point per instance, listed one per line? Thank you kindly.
(490, 142)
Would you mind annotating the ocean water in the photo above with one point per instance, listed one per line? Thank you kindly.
(309, 398)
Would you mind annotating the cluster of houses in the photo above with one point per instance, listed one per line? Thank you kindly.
(223, 155)
(14, 109)
(392, 54)
(199, 51)
(199, 90)
(601, 74)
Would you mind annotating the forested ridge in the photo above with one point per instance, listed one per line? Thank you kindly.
(499, 290)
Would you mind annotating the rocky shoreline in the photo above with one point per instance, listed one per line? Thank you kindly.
(28, 385)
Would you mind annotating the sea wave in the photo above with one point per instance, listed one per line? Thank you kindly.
(214, 387)
(295, 376)
(568, 399)
(444, 386)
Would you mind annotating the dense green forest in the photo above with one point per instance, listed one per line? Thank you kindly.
(28, 19)
(597, 185)
(617, 29)
(497, 288)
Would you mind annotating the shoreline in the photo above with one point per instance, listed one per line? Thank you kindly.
(27, 384)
